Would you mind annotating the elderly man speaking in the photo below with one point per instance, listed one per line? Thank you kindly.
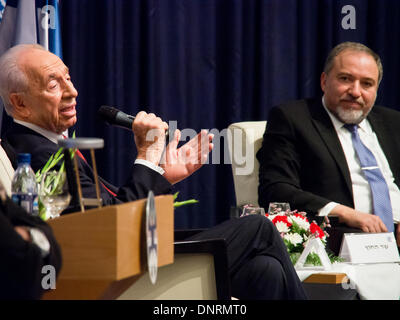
(38, 93)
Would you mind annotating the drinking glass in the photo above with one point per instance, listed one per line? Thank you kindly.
(277, 207)
(54, 193)
(248, 209)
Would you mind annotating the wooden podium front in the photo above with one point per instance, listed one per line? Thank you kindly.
(103, 249)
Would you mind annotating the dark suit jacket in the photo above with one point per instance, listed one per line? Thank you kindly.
(21, 262)
(302, 161)
(140, 180)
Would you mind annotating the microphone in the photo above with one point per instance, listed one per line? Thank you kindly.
(117, 118)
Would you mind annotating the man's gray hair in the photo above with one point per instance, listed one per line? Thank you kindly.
(12, 78)
(353, 46)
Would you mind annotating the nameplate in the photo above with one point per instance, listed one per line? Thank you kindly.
(369, 248)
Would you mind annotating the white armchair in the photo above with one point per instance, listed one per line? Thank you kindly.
(244, 140)
(6, 171)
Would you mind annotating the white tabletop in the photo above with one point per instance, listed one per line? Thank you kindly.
(379, 281)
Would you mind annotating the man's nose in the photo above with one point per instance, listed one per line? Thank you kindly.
(354, 89)
(70, 91)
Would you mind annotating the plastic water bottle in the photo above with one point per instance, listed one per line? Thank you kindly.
(24, 189)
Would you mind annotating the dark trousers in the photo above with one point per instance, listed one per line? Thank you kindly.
(259, 265)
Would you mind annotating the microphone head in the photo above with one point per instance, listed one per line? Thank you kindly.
(107, 113)
(115, 117)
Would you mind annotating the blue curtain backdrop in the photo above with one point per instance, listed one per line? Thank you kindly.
(206, 64)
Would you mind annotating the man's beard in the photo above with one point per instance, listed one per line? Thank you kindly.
(350, 116)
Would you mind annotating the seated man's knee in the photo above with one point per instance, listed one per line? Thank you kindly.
(257, 221)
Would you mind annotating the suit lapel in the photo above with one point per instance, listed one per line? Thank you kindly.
(385, 138)
(16, 128)
(328, 134)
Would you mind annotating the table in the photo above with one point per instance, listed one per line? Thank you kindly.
(380, 281)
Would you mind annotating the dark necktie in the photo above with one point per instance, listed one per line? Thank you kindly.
(379, 188)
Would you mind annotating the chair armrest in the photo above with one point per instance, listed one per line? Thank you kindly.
(182, 234)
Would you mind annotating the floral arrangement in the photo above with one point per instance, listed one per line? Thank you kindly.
(296, 230)
(53, 184)
(52, 162)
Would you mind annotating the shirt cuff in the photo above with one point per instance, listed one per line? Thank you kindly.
(324, 211)
(150, 165)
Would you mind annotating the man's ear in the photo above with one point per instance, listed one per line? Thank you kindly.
(323, 81)
(20, 109)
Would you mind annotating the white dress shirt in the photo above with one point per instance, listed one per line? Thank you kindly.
(54, 137)
(361, 190)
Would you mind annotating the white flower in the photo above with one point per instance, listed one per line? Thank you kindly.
(282, 227)
(302, 223)
(294, 238)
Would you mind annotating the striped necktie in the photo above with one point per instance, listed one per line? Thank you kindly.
(379, 188)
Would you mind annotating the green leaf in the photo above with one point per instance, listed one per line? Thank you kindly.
(313, 259)
(294, 256)
(334, 258)
(178, 204)
(51, 163)
(42, 211)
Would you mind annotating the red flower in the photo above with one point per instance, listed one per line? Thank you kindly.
(315, 229)
(282, 219)
(301, 216)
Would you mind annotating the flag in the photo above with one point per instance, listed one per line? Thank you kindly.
(30, 21)
(2, 6)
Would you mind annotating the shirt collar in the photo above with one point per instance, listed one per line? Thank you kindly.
(53, 137)
(363, 125)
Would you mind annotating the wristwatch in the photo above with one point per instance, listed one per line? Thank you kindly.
(40, 240)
